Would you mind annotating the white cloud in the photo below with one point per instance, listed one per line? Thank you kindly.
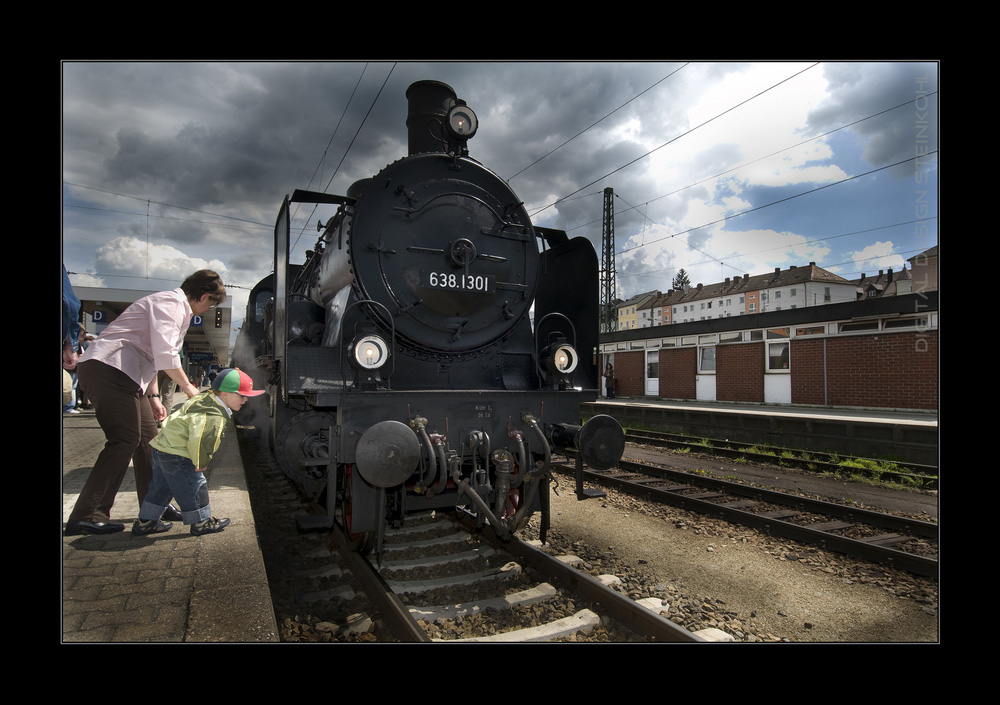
(878, 255)
(130, 256)
(264, 129)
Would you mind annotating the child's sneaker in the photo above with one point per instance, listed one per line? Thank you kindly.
(144, 528)
(209, 526)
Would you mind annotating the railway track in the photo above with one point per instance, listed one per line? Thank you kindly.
(911, 474)
(440, 578)
(457, 584)
(902, 543)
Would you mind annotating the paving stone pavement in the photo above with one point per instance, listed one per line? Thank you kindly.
(170, 587)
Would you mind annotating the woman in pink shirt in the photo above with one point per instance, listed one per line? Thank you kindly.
(118, 371)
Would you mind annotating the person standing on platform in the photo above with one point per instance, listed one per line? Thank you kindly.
(70, 339)
(118, 371)
(182, 451)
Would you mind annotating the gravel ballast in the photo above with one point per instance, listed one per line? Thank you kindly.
(754, 587)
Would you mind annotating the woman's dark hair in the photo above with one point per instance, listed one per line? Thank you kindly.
(202, 282)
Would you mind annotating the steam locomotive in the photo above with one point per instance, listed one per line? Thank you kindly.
(434, 348)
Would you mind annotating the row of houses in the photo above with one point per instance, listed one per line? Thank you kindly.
(795, 287)
(877, 348)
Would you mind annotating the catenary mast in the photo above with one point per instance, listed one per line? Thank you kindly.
(609, 317)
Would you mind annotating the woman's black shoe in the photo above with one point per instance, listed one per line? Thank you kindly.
(76, 527)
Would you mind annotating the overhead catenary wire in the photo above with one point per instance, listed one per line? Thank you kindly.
(674, 139)
(578, 193)
(741, 166)
(350, 144)
(597, 122)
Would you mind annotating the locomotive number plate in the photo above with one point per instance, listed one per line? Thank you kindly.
(458, 282)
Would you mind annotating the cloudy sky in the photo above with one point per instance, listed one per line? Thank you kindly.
(719, 168)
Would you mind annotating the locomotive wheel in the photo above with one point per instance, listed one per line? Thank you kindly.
(363, 542)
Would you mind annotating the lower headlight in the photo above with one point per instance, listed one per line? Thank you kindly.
(564, 359)
(371, 352)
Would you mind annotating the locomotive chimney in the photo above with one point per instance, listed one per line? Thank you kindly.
(436, 120)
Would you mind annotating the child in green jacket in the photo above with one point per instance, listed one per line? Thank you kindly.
(182, 450)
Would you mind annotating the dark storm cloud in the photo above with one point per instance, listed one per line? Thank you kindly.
(860, 90)
(230, 139)
(202, 135)
(263, 128)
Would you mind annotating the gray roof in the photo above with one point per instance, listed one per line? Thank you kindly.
(744, 284)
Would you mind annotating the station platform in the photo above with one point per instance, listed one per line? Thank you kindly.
(910, 435)
(165, 588)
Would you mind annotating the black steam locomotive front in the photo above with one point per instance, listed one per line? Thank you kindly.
(435, 347)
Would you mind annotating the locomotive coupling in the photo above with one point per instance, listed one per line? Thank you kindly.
(387, 454)
(600, 441)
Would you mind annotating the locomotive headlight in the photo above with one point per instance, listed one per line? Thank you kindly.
(371, 352)
(564, 359)
(462, 122)
(559, 359)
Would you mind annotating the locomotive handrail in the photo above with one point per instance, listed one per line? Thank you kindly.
(500, 217)
(392, 340)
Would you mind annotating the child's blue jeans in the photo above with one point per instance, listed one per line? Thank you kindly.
(175, 476)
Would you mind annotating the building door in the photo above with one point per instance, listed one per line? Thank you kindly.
(705, 379)
(652, 373)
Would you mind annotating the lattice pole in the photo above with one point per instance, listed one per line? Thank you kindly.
(609, 314)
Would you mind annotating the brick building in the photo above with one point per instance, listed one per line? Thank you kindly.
(879, 352)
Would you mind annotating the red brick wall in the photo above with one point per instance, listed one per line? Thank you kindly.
(678, 367)
(888, 370)
(740, 372)
(630, 369)
(807, 366)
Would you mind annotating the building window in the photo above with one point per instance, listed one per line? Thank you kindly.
(811, 330)
(777, 357)
(778, 353)
(854, 327)
(920, 322)
(706, 359)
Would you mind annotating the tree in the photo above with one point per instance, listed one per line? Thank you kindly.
(681, 280)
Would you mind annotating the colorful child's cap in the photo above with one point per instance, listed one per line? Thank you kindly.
(236, 381)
